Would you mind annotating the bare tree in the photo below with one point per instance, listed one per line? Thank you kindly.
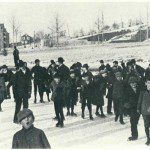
(16, 27)
(57, 29)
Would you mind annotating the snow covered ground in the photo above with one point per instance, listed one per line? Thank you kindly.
(101, 133)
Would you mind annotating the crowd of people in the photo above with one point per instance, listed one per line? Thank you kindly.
(125, 86)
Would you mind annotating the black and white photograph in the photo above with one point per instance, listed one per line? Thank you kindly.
(75, 75)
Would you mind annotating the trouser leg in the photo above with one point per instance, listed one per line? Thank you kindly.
(17, 108)
(35, 91)
(109, 105)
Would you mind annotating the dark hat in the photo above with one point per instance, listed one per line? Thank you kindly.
(21, 63)
(101, 61)
(23, 114)
(4, 66)
(118, 74)
(133, 61)
(78, 64)
(133, 80)
(115, 62)
(60, 60)
(52, 62)
(85, 66)
(37, 60)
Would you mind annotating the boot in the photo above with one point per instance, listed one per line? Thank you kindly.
(73, 114)
(97, 114)
(103, 116)
(116, 118)
(132, 138)
(83, 115)
(42, 101)
(110, 113)
(91, 117)
(121, 120)
(62, 125)
(68, 113)
(58, 124)
(148, 142)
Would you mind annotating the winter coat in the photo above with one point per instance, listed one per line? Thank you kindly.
(89, 74)
(131, 98)
(72, 93)
(16, 54)
(98, 91)
(86, 91)
(118, 89)
(38, 71)
(31, 138)
(2, 88)
(147, 73)
(21, 83)
(63, 72)
(144, 102)
(58, 92)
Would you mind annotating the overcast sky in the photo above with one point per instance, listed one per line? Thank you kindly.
(38, 16)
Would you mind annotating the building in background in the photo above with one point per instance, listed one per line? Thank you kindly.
(4, 37)
(26, 39)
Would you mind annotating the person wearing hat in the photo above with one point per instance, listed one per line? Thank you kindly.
(102, 66)
(38, 81)
(72, 94)
(58, 98)
(99, 87)
(86, 71)
(16, 56)
(138, 69)
(29, 137)
(118, 96)
(116, 67)
(21, 82)
(144, 108)
(62, 70)
(86, 96)
(132, 92)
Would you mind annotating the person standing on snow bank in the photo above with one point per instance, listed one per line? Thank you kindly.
(16, 56)
(29, 137)
(144, 108)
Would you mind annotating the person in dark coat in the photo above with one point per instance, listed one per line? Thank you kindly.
(147, 72)
(132, 92)
(72, 93)
(2, 88)
(62, 70)
(116, 67)
(138, 69)
(98, 92)
(86, 96)
(7, 74)
(118, 96)
(16, 56)
(39, 79)
(21, 82)
(29, 137)
(58, 98)
(110, 78)
(102, 66)
(86, 71)
(47, 82)
(144, 108)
